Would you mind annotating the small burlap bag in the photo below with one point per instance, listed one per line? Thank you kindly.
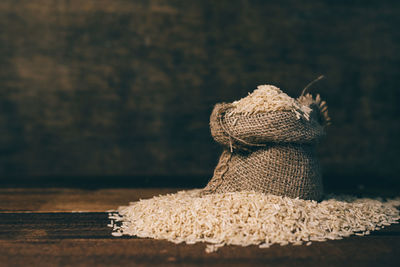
(269, 152)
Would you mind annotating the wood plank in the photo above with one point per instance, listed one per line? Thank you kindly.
(68, 238)
(354, 251)
(67, 200)
(49, 226)
(103, 199)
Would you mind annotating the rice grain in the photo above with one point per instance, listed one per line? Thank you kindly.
(268, 98)
(250, 218)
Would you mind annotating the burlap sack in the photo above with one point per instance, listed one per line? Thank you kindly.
(259, 129)
(272, 152)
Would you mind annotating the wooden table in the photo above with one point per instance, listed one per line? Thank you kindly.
(68, 227)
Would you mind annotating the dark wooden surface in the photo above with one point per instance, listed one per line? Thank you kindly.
(68, 227)
(126, 87)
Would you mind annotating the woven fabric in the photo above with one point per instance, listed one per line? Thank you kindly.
(284, 170)
(259, 129)
(272, 153)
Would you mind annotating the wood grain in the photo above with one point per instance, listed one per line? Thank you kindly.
(72, 200)
(38, 228)
(83, 225)
(353, 251)
(126, 87)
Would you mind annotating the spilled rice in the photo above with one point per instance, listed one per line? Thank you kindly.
(268, 98)
(249, 218)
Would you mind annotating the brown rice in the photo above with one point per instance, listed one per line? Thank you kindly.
(249, 218)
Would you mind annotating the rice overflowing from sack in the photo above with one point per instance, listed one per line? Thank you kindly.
(267, 98)
(249, 218)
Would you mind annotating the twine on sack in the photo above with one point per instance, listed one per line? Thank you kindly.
(230, 135)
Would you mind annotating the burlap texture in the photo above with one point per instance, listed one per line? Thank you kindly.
(243, 132)
(271, 152)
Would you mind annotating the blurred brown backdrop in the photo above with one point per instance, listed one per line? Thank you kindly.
(100, 88)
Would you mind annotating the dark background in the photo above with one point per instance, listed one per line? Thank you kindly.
(122, 90)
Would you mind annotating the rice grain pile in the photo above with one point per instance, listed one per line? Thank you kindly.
(267, 98)
(249, 218)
